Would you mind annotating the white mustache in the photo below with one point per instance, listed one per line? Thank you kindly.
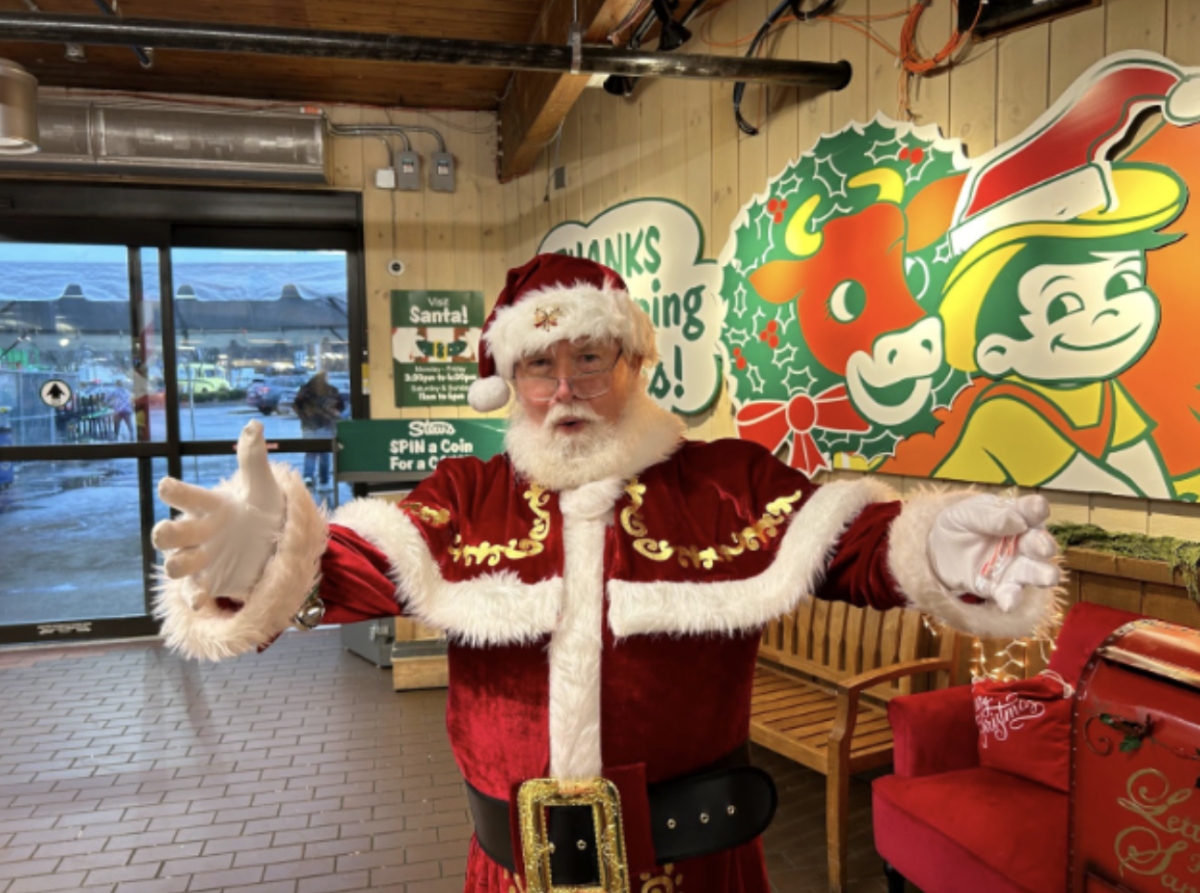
(563, 412)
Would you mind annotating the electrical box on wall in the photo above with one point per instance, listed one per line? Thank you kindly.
(441, 176)
(408, 171)
(1001, 16)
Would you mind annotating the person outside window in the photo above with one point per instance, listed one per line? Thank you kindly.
(318, 406)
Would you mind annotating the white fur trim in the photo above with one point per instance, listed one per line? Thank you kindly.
(488, 394)
(1183, 101)
(208, 632)
(576, 646)
(583, 311)
(493, 609)
(908, 562)
(729, 606)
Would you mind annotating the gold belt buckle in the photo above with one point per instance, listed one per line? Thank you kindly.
(539, 794)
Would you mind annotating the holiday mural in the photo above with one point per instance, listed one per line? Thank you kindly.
(1020, 318)
(657, 246)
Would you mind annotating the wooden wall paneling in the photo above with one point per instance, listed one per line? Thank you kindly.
(1120, 513)
(572, 194)
(466, 210)
(379, 246)
(814, 116)
(850, 103)
(346, 154)
(1076, 43)
(1136, 25)
(491, 202)
(526, 187)
(1178, 519)
(1023, 80)
(929, 97)
(440, 255)
(627, 131)
(973, 98)
(511, 203)
(783, 108)
(542, 205)
(1183, 31)
(883, 75)
(724, 199)
(654, 158)
(610, 107)
(554, 160)
(752, 150)
(673, 157)
(1068, 507)
(410, 236)
(591, 150)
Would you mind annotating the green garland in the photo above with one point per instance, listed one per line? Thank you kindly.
(1181, 555)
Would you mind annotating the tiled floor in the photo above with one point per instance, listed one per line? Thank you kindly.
(124, 769)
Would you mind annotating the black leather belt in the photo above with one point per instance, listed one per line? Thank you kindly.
(719, 807)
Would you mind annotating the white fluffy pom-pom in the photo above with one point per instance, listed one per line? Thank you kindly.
(488, 394)
(1183, 102)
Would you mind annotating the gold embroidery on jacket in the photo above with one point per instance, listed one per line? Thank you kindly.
(516, 548)
(751, 538)
(436, 517)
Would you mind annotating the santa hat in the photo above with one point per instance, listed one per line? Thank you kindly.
(555, 297)
(1060, 167)
(1057, 179)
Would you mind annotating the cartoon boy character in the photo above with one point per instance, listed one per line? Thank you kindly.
(1054, 312)
(1048, 297)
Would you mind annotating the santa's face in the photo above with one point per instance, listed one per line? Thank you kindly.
(1086, 321)
(555, 387)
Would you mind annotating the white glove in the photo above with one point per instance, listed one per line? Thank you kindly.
(226, 536)
(992, 547)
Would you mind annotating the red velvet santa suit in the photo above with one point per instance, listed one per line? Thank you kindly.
(611, 629)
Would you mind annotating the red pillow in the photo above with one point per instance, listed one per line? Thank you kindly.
(1025, 727)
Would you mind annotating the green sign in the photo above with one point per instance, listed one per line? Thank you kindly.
(385, 449)
(435, 346)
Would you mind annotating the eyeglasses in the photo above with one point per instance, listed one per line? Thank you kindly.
(583, 385)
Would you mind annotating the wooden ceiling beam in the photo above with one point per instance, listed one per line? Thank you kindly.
(536, 103)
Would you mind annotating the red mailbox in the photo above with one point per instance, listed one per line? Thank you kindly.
(1135, 764)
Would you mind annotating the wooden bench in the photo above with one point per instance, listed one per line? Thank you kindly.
(815, 667)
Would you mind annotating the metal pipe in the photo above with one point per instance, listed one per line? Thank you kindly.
(145, 56)
(225, 38)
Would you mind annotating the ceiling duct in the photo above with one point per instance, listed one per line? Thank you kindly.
(89, 137)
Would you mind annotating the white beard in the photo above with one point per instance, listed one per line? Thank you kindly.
(642, 436)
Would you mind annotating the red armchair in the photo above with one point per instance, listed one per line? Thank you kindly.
(947, 824)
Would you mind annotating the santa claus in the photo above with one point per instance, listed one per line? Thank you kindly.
(603, 585)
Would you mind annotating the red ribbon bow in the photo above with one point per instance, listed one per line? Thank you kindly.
(771, 423)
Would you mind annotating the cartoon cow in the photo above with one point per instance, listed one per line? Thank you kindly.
(856, 313)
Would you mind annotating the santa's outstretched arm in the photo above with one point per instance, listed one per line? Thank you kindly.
(983, 564)
(255, 556)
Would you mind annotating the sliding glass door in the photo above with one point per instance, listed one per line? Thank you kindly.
(143, 353)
